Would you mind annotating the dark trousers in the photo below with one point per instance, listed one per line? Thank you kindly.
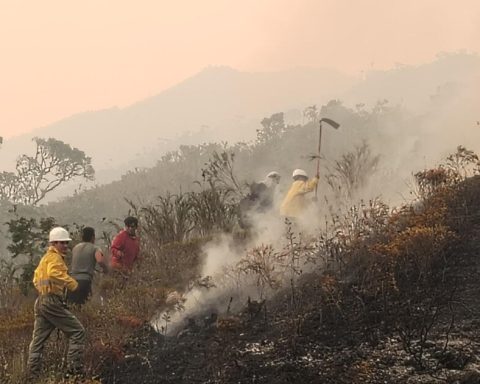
(81, 294)
(51, 313)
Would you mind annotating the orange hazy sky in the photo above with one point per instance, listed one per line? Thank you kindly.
(60, 57)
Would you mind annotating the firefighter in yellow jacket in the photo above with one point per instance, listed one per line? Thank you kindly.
(295, 203)
(51, 279)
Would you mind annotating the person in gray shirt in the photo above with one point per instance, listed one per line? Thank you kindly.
(85, 256)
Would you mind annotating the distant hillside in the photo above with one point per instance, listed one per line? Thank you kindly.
(415, 87)
(218, 103)
(221, 103)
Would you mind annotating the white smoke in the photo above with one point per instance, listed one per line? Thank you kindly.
(232, 287)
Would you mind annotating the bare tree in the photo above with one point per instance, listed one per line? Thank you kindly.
(53, 164)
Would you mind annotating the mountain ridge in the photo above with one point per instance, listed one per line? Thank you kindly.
(224, 104)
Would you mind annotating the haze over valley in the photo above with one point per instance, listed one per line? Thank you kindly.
(224, 104)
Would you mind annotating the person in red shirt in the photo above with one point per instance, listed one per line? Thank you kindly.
(125, 246)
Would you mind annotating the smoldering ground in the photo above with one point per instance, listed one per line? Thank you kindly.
(237, 272)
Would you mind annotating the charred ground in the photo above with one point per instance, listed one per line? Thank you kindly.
(399, 305)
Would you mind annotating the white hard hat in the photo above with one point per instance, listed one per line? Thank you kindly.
(59, 234)
(273, 175)
(299, 172)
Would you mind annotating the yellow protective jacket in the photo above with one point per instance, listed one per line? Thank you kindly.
(295, 203)
(51, 274)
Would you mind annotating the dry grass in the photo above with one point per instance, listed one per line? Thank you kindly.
(120, 306)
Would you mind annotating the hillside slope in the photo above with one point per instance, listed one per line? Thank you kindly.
(428, 334)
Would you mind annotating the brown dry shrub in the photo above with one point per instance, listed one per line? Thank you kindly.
(402, 258)
(264, 264)
(408, 257)
(175, 264)
(331, 296)
(430, 180)
(16, 324)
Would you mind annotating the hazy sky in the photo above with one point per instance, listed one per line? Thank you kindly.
(60, 57)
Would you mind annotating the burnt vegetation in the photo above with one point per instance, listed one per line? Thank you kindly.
(375, 295)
